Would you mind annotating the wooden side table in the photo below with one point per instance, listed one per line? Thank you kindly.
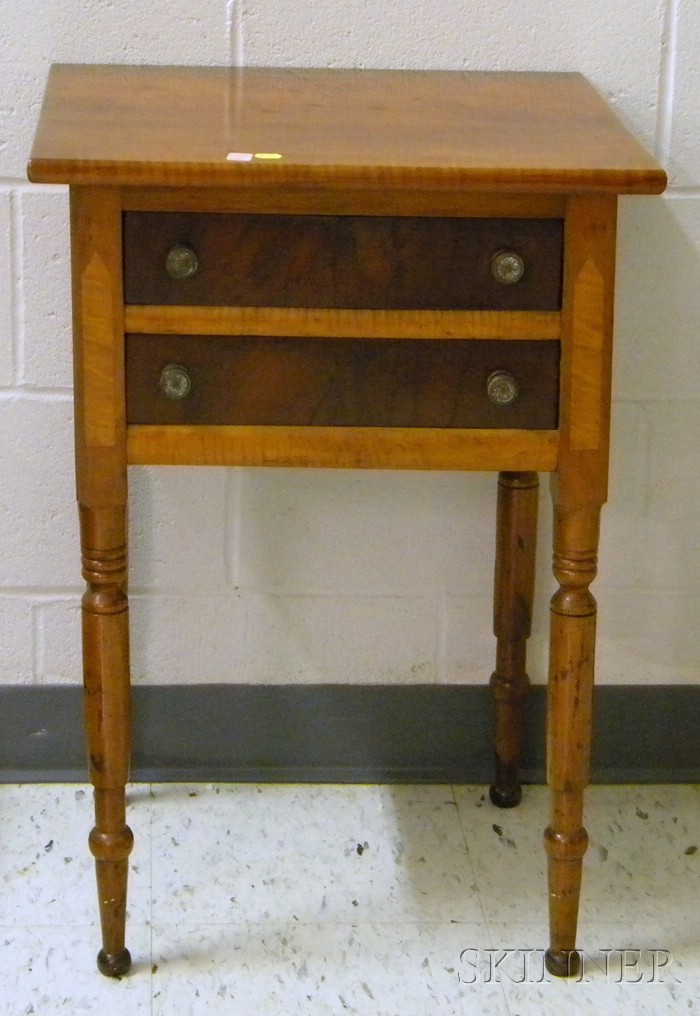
(346, 269)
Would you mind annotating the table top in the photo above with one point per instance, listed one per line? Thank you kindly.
(116, 125)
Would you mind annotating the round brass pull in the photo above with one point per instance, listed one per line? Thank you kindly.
(502, 388)
(507, 267)
(181, 262)
(175, 382)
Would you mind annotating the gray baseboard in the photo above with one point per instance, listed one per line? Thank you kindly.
(345, 734)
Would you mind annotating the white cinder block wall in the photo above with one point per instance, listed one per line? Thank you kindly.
(276, 575)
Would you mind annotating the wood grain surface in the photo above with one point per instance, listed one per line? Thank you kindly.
(342, 447)
(343, 324)
(342, 261)
(123, 125)
(341, 383)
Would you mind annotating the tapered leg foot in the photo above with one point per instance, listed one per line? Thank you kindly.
(115, 965)
(516, 529)
(563, 962)
(111, 851)
(506, 796)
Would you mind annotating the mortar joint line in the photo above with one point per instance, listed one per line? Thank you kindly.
(234, 31)
(17, 302)
(667, 72)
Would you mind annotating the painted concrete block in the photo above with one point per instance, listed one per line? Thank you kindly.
(38, 518)
(657, 309)
(377, 532)
(46, 288)
(616, 45)
(16, 639)
(177, 529)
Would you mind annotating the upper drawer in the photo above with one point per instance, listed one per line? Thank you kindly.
(391, 263)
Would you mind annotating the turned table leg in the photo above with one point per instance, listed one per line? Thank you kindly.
(516, 535)
(570, 691)
(107, 715)
(101, 482)
(579, 489)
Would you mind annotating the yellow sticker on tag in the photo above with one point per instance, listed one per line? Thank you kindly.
(269, 156)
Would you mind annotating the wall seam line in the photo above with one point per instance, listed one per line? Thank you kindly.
(667, 74)
(37, 645)
(21, 392)
(234, 28)
(17, 302)
(232, 529)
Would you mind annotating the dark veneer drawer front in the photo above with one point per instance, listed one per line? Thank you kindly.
(341, 382)
(356, 262)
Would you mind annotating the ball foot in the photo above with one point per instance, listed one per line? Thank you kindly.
(563, 962)
(505, 797)
(114, 964)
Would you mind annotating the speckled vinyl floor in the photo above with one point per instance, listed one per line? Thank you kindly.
(401, 901)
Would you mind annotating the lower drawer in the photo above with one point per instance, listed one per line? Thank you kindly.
(185, 379)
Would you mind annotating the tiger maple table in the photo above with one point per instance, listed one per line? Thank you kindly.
(371, 269)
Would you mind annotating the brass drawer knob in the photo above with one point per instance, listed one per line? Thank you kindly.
(502, 388)
(507, 267)
(181, 262)
(175, 382)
